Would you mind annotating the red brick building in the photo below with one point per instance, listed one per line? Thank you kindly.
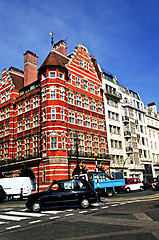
(46, 114)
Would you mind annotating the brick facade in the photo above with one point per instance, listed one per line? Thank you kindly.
(44, 111)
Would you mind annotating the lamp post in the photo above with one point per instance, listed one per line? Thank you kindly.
(96, 155)
(77, 143)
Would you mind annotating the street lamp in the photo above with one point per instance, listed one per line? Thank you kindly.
(77, 143)
(96, 155)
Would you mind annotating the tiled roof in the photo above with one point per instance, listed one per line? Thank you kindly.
(18, 81)
(56, 59)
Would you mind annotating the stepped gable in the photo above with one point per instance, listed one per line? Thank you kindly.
(56, 59)
(17, 78)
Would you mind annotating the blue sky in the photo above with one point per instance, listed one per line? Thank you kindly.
(123, 35)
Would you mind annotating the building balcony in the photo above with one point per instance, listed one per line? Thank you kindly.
(127, 134)
(116, 95)
(19, 159)
(129, 149)
(125, 119)
(73, 154)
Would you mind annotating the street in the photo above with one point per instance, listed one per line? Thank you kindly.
(128, 219)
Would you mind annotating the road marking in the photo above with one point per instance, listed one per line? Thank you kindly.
(83, 212)
(96, 204)
(69, 210)
(122, 203)
(114, 205)
(70, 214)
(3, 222)
(17, 226)
(14, 218)
(51, 212)
(54, 217)
(105, 207)
(27, 214)
(35, 221)
(142, 216)
(94, 209)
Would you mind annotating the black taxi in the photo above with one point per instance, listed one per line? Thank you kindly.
(63, 193)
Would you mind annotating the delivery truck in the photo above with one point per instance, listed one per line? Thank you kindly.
(106, 184)
(16, 187)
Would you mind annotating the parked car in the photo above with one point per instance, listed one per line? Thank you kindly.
(132, 184)
(3, 194)
(63, 193)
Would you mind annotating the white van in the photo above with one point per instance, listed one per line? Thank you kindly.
(17, 187)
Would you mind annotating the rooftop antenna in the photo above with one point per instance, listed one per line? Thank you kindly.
(52, 41)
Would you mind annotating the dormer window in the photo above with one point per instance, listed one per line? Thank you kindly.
(86, 65)
(81, 62)
(3, 97)
(61, 75)
(44, 76)
(52, 74)
(8, 94)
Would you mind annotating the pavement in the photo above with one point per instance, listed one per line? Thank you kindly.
(131, 197)
(116, 198)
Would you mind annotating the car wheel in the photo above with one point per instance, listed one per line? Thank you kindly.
(85, 203)
(141, 188)
(110, 192)
(128, 190)
(36, 207)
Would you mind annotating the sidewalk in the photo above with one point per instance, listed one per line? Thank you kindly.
(130, 197)
(116, 198)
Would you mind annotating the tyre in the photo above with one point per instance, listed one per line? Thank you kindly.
(110, 192)
(36, 207)
(85, 203)
(128, 190)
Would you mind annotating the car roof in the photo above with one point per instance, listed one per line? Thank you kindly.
(69, 180)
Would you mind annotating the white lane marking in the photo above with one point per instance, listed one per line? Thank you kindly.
(54, 217)
(7, 209)
(51, 212)
(96, 204)
(70, 214)
(69, 210)
(3, 222)
(26, 214)
(14, 218)
(83, 212)
(114, 205)
(16, 226)
(105, 207)
(94, 209)
(122, 203)
(35, 221)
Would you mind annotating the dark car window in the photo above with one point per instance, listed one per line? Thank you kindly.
(1, 188)
(135, 180)
(80, 185)
(68, 186)
(131, 181)
(56, 187)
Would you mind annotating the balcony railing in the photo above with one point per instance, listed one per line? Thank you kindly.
(115, 94)
(125, 119)
(129, 149)
(127, 134)
(26, 157)
(72, 153)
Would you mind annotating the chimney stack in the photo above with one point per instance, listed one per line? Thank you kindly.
(30, 67)
(60, 47)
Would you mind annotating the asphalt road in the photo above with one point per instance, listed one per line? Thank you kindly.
(127, 219)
